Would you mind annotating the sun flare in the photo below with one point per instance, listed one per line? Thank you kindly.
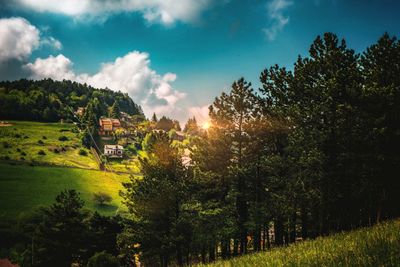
(206, 125)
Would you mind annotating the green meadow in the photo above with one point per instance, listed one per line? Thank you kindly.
(375, 246)
(24, 188)
(43, 143)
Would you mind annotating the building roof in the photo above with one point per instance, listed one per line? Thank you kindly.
(105, 121)
(113, 147)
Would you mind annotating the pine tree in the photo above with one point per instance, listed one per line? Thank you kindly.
(154, 118)
(115, 111)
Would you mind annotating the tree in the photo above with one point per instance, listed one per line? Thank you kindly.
(191, 127)
(156, 202)
(380, 70)
(101, 198)
(165, 124)
(115, 111)
(230, 114)
(59, 239)
(154, 118)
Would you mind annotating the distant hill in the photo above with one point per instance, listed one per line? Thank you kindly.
(48, 100)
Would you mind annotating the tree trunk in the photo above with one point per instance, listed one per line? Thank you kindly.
(304, 223)
(278, 229)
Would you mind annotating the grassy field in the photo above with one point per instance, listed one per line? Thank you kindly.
(39, 142)
(23, 187)
(375, 246)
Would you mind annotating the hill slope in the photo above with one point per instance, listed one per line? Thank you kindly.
(24, 188)
(375, 246)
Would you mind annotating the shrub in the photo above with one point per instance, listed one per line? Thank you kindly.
(41, 152)
(101, 198)
(103, 259)
(18, 150)
(40, 142)
(23, 153)
(26, 137)
(83, 152)
(64, 130)
(17, 136)
(6, 144)
(22, 158)
(44, 137)
(63, 138)
(6, 157)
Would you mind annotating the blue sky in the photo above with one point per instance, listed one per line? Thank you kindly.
(176, 56)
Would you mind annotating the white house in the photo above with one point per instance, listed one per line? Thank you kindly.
(113, 151)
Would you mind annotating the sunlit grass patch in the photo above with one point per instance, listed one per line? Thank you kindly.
(375, 246)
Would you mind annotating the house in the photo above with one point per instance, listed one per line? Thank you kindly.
(113, 151)
(108, 126)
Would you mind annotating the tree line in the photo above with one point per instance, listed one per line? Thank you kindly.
(48, 100)
(313, 151)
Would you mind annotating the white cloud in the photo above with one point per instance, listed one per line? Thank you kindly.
(131, 74)
(277, 19)
(18, 38)
(164, 11)
(51, 42)
(57, 68)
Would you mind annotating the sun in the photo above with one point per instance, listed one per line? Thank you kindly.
(206, 125)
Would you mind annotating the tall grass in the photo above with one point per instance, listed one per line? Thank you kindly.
(375, 246)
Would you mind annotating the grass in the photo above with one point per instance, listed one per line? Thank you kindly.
(43, 143)
(375, 246)
(24, 188)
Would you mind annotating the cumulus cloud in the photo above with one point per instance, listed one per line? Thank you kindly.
(163, 11)
(131, 74)
(276, 17)
(57, 68)
(18, 38)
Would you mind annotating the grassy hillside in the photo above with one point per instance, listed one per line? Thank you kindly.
(23, 188)
(24, 141)
(375, 246)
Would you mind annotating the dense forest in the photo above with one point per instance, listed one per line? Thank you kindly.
(48, 100)
(314, 151)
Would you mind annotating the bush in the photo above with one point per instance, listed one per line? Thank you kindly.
(40, 142)
(17, 136)
(103, 259)
(83, 152)
(64, 130)
(23, 153)
(101, 198)
(6, 144)
(41, 152)
(44, 137)
(18, 150)
(26, 137)
(63, 138)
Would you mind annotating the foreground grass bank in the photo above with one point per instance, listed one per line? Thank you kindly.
(375, 246)
(24, 188)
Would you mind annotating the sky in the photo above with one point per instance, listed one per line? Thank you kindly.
(173, 57)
